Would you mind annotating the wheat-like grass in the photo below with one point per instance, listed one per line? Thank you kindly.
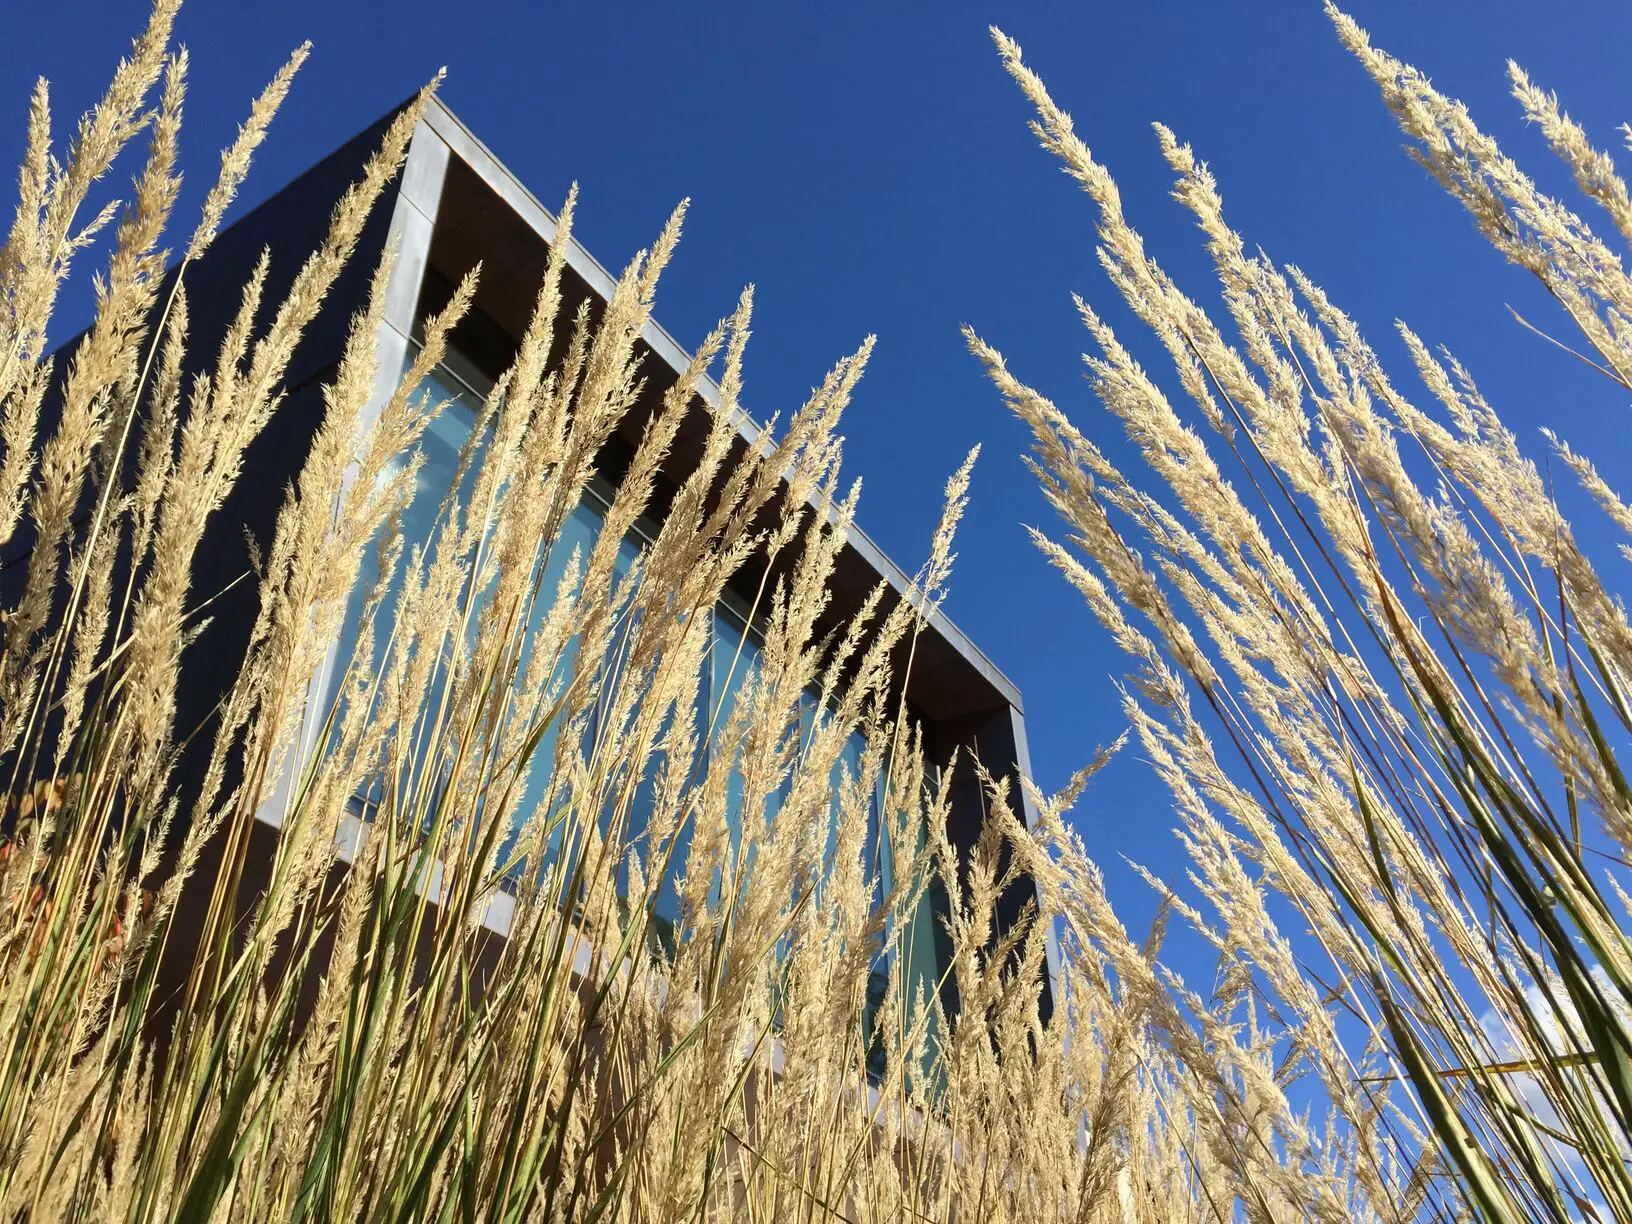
(350, 1041)
(1379, 674)
(1384, 684)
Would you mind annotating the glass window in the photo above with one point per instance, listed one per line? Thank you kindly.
(577, 537)
(734, 659)
(441, 445)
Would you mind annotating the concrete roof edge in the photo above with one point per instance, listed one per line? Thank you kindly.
(470, 149)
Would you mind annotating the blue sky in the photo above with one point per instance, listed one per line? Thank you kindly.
(869, 169)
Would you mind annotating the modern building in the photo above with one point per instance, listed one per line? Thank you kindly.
(455, 205)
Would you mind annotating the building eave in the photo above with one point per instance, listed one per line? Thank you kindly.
(468, 148)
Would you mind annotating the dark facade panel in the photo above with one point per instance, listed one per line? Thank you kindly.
(288, 226)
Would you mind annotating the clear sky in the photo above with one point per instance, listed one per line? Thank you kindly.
(869, 169)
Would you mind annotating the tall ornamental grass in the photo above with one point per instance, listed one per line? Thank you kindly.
(187, 1031)
(1387, 687)
(1403, 854)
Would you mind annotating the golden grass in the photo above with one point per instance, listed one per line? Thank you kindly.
(1403, 854)
(1410, 845)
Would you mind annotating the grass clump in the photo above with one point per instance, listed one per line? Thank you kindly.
(1386, 687)
(1418, 695)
